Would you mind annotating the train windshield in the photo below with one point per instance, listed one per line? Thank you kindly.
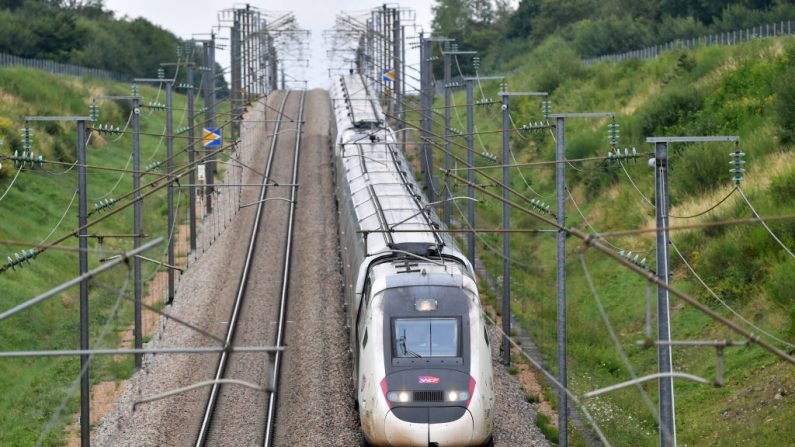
(426, 337)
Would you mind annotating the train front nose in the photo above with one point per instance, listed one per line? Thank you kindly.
(416, 426)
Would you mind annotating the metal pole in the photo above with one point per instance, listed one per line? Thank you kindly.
(210, 119)
(236, 63)
(664, 360)
(396, 56)
(402, 102)
(191, 157)
(426, 99)
(447, 210)
(470, 84)
(506, 237)
(137, 223)
(170, 227)
(82, 220)
(560, 184)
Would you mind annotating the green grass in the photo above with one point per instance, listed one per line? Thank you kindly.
(549, 431)
(718, 90)
(33, 389)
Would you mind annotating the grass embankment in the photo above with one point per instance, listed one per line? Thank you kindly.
(33, 389)
(743, 90)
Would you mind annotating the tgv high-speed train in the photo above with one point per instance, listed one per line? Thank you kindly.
(422, 364)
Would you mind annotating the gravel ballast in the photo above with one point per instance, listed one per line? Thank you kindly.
(315, 400)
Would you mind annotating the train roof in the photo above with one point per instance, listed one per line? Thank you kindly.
(384, 193)
(361, 111)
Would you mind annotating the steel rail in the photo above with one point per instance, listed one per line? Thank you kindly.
(269, 424)
(212, 399)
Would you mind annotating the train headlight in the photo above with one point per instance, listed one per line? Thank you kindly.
(458, 396)
(401, 396)
(425, 304)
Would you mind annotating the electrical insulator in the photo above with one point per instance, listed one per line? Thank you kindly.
(27, 138)
(17, 260)
(93, 112)
(737, 163)
(134, 90)
(546, 108)
(612, 132)
(476, 63)
(161, 73)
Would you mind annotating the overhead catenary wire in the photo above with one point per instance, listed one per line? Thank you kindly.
(616, 343)
(57, 225)
(594, 242)
(10, 185)
(724, 303)
(56, 416)
(551, 377)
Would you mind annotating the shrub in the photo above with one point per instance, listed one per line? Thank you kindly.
(675, 105)
(610, 35)
(784, 105)
(782, 188)
(779, 287)
(554, 62)
(697, 169)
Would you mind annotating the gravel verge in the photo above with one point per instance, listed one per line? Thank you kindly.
(514, 416)
(204, 296)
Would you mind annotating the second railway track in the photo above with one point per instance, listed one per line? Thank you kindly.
(236, 415)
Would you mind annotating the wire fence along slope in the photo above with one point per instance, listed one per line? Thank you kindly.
(783, 28)
(56, 67)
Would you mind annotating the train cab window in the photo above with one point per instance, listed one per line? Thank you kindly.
(426, 337)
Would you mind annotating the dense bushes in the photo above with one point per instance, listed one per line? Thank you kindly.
(674, 105)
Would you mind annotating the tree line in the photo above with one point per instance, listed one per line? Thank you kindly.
(594, 27)
(83, 32)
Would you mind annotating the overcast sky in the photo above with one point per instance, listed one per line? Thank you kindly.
(187, 17)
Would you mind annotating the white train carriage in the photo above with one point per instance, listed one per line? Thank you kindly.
(422, 365)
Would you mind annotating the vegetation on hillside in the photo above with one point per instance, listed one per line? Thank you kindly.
(31, 208)
(593, 27)
(743, 90)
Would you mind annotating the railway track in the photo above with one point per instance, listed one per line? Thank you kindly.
(218, 408)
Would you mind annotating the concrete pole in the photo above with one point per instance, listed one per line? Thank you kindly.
(82, 237)
(137, 225)
(664, 360)
(191, 159)
(506, 236)
(447, 209)
(560, 188)
(470, 85)
(170, 227)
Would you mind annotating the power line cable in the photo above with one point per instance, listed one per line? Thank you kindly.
(725, 304)
(742, 193)
(65, 212)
